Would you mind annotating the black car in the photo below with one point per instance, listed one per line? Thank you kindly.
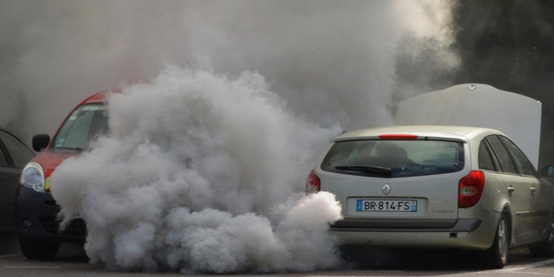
(14, 154)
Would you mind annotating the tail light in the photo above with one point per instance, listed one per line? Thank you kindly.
(313, 183)
(471, 189)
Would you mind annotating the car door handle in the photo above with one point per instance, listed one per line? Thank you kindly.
(511, 189)
(533, 189)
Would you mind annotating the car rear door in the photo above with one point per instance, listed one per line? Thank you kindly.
(539, 193)
(433, 198)
(13, 156)
(517, 186)
(8, 184)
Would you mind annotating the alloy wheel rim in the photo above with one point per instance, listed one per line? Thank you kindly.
(503, 241)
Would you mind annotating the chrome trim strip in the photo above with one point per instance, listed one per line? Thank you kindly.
(532, 213)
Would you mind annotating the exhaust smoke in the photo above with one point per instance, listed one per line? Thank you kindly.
(201, 172)
(205, 165)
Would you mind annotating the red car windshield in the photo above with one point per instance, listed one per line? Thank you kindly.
(84, 125)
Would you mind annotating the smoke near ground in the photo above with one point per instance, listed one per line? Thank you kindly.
(201, 173)
(225, 107)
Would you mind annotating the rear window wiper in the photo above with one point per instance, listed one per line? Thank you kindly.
(370, 169)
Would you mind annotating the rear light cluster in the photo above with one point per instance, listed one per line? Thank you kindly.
(471, 189)
(313, 183)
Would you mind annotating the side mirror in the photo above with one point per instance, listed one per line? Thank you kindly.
(547, 171)
(40, 141)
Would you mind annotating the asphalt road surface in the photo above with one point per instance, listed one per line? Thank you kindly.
(72, 261)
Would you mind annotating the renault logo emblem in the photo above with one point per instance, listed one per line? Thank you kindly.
(386, 189)
(472, 87)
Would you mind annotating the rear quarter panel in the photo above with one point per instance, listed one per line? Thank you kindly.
(495, 196)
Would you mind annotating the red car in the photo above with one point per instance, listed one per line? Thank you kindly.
(36, 210)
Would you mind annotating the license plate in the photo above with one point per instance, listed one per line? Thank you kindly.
(369, 205)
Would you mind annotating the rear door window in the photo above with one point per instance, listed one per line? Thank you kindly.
(504, 159)
(523, 164)
(394, 158)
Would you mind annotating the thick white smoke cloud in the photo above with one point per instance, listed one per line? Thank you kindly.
(333, 61)
(218, 157)
(201, 172)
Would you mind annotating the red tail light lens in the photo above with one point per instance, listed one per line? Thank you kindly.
(471, 189)
(313, 183)
(398, 137)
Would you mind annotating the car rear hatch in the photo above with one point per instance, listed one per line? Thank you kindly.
(396, 181)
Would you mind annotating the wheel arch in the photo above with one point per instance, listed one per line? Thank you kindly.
(507, 211)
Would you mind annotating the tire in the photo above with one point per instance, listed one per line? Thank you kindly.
(544, 248)
(38, 250)
(497, 256)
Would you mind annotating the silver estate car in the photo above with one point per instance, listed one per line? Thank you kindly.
(437, 187)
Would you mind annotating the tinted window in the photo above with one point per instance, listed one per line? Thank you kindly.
(502, 155)
(3, 160)
(525, 167)
(404, 158)
(485, 161)
(18, 151)
(83, 126)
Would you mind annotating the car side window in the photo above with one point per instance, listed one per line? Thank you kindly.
(523, 164)
(18, 151)
(502, 154)
(493, 157)
(485, 160)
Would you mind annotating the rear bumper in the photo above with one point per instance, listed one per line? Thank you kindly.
(361, 225)
(469, 233)
(40, 210)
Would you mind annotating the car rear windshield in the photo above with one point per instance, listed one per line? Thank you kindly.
(84, 125)
(394, 158)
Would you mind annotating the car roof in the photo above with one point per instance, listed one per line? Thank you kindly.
(464, 133)
(12, 134)
(99, 97)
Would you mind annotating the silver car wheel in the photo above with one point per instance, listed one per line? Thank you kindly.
(503, 240)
